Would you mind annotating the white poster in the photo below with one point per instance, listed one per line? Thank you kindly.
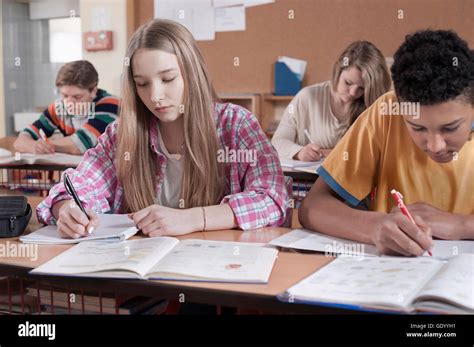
(196, 15)
(230, 18)
(246, 3)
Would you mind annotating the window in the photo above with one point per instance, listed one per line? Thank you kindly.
(65, 40)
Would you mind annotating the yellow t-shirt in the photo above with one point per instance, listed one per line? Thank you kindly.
(378, 151)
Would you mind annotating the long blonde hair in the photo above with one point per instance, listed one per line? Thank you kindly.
(202, 182)
(371, 62)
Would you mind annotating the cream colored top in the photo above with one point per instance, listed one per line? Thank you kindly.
(171, 187)
(310, 109)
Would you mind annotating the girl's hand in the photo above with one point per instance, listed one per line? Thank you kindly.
(157, 220)
(73, 223)
(326, 151)
(309, 152)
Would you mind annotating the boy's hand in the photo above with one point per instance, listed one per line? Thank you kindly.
(43, 147)
(444, 225)
(395, 234)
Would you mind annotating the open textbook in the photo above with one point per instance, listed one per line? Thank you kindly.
(312, 241)
(44, 159)
(391, 284)
(166, 258)
(112, 227)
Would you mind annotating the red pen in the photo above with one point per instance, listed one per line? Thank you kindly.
(398, 197)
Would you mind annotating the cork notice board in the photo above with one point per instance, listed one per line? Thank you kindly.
(317, 32)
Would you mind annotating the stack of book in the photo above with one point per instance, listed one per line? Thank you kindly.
(61, 301)
(13, 298)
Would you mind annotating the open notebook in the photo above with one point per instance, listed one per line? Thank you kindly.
(391, 284)
(5, 152)
(112, 227)
(298, 165)
(45, 159)
(166, 258)
(313, 241)
(313, 169)
(289, 163)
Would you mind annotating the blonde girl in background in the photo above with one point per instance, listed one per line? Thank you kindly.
(326, 110)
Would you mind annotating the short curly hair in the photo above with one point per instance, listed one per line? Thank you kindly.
(434, 66)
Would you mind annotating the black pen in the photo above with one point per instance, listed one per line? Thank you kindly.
(72, 192)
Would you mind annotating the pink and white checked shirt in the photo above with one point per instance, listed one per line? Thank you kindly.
(256, 191)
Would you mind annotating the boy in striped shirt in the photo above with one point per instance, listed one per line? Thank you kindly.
(80, 115)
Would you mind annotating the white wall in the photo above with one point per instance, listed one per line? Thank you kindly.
(46, 9)
(106, 15)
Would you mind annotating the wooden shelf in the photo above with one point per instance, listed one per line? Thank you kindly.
(251, 101)
(272, 97)
(273, 107)
(267, 107)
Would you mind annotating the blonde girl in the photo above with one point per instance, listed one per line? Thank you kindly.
(326, 110)
(177, 161)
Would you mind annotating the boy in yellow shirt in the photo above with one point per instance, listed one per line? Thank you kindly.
(416, 140)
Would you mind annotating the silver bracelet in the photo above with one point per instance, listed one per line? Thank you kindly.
(204, 218)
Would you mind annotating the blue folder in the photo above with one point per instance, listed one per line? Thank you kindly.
(286, 81)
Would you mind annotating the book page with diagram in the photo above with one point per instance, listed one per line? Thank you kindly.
(217, 260)
(136, 256)
(369, 281)
(453, 283)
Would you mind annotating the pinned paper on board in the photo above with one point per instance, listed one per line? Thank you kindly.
(230, 18)
(245, 3)
(203, 18)
(197, 16)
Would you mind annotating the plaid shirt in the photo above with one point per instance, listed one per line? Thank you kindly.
(255, 189)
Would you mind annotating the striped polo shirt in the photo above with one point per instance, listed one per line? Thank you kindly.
(84, 122)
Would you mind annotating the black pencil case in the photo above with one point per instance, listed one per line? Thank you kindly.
(15, 213)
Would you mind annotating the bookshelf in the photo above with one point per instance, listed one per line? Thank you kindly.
(273, 107)
(268, 108)
(251, 101)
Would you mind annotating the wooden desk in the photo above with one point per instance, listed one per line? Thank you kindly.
(289, 268)
(41, 177)
(7, 143)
